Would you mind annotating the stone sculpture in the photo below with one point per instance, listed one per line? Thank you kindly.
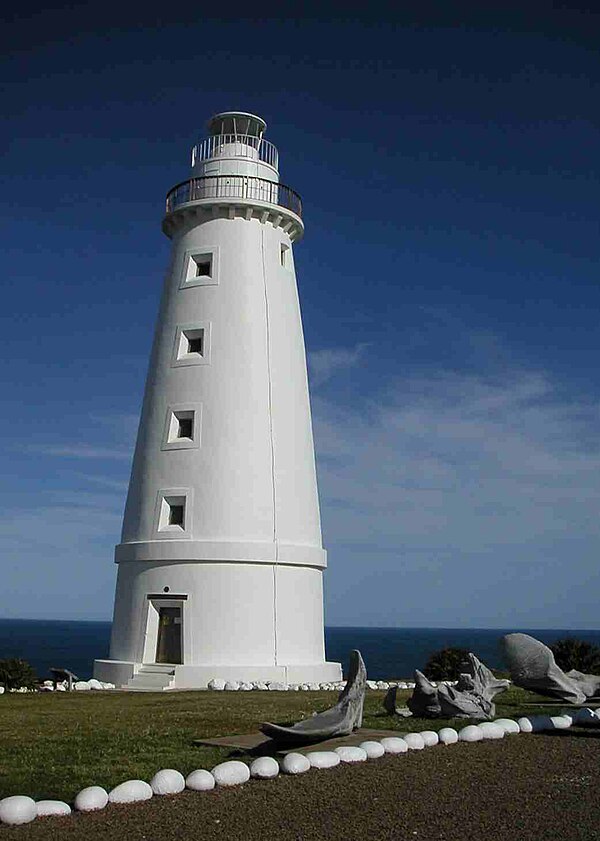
(340, 720)
(472, 697)
(424, 700)
(532, 666)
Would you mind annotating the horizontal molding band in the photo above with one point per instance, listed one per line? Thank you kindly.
(205, 551)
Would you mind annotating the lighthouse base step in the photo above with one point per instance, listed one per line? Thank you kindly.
(155, 678)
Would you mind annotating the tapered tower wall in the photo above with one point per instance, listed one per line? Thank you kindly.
(242, 553)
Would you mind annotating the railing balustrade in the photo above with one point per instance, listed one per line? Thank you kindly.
(234, 187)
(246, 146)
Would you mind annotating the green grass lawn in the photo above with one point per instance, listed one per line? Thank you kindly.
(54, 744)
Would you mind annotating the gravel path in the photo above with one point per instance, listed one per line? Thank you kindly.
(524, 788)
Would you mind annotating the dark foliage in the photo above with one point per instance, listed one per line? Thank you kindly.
(446, 664)
(15, 673)
(571, 653)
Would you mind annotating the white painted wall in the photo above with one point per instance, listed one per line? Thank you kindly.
(249, 560)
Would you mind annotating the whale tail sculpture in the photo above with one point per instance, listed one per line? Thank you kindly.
(532, 666)
(340, 720)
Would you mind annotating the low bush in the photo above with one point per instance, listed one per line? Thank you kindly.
(15, 673)
(446, 664)
(571, 653)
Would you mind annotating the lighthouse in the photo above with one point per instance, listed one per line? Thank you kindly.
(220, 565)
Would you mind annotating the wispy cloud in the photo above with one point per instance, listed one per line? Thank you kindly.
(83, 451)
(444, 469)
(324, 364)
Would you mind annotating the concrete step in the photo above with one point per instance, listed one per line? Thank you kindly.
(152, 678)
(156, 669)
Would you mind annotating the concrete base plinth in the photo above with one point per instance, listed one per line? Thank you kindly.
(120, 673)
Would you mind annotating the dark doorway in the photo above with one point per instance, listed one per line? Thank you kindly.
(168, 646)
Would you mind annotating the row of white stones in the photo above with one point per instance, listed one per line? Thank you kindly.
(220, 685)
(19, 809)
(62, 686)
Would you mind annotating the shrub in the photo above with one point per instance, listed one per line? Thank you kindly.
(446, 664)
(571, 653)
(15, 673)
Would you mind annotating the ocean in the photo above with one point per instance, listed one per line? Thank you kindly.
(388, 652)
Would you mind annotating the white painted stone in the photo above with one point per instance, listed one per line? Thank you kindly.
(231, 773)
(350, 754)
(470, 733)
(200, 780)
(372, 684)
(373, 749)
(382, 684)
(508, 725)
(430, 738)
(525, 725)
(216, 684)
(81, 685)
(60, 688)
(232, 686)
(45, 688)
(323, 758)
(305, 687)
(91, 799)
(17, 809)
(277, 686)
(414, 741)
(491, 730)
(45, 808)
(264, 768)
(167, 781)
(1, 690)
(246, 687)
(448, 736)
(402, 685)
(295, 763)
(262, 687)
(131, 791)
(563, 722)
(393, 744)
(107, 685)
(95, 684)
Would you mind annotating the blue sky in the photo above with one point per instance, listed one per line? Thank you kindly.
(447, 159)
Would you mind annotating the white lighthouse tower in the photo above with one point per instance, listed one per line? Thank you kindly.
(220, 567)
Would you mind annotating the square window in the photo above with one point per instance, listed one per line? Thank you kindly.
(200, 268)
(203, 266)
(172, 513)
(176, 515)
(192, 344)
(196, 343)
(186, 428)
(183, 427)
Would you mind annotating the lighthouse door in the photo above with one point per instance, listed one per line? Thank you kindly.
(168, 644)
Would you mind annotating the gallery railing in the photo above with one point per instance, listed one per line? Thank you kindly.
(234, 187)
(237, 146)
